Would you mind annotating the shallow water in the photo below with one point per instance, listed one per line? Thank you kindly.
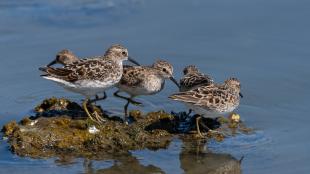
(263, 43)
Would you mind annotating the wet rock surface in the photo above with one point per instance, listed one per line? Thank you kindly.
(60, 128)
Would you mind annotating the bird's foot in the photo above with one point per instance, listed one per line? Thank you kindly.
(200, 135)
(97, 117)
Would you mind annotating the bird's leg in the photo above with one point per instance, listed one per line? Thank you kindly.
(98, 117)
(197, 126)
(99, 98)
(126, 110)
(85, 103)
(126, 98)
(212, 131)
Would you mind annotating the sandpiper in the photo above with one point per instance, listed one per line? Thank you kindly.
(213, 100)
(92, 75)
(144, 80)
(66, 57)
(193, 79)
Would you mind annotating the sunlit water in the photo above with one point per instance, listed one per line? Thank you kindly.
(263, 43)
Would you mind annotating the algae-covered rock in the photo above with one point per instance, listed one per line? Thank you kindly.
(57, 135)
(56, 104)
(61, 127)
(9, 128)
(25, 121)
(61, 106)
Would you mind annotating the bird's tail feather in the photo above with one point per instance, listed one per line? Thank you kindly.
(183, 96)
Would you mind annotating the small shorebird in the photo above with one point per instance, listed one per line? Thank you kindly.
(90, 76)
(211, 101)
(144, 80)
(192, 79)
(66, 57)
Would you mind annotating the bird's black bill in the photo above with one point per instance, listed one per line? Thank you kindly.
(133, 61)
(175, 82)
(240, 95)
(52, 63)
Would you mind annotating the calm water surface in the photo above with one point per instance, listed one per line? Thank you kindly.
(264, 43)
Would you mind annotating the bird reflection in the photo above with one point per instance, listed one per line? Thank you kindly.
(122, 164)
(196, 159)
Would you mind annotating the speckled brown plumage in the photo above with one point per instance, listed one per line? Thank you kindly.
(99, 72)
(144, 80)
(90, 76)
(88, 69)
(212, 100)
(193, 79)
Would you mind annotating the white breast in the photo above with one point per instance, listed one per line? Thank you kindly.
(154, 84)
(151, 85)
(207, 113)
(87, 88)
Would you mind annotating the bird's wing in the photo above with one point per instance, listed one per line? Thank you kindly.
(208, 97)
(195, 80)
(87, 69)
(132, 76)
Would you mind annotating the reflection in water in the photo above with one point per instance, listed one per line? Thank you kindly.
(195, 159)
(122, 164)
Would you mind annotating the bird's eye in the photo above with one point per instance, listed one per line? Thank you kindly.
(164, 69)
(124, 53)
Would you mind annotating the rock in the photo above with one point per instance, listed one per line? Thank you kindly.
(54, 136)
(61, 127)
(9, 128)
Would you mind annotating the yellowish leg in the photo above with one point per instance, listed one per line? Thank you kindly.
(95, 116)
(86, 110)
(197, 126)
(213, 131)
(98, 117)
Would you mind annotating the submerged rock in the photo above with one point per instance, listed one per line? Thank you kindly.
(60, 127)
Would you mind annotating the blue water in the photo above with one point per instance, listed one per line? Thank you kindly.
(263, 43)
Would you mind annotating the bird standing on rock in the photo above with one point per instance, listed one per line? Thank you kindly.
(92, 75)
(192, 79)
(211, 101)
(144, 80)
